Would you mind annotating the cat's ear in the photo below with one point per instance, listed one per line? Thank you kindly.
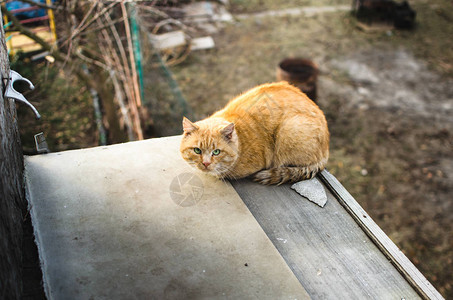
(188, 126)
(227, 131)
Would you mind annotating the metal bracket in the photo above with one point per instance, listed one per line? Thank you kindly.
(12, 93)
(41, 144)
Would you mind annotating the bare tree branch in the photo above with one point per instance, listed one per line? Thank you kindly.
(80, 29)
(91, 38)
(46, 46)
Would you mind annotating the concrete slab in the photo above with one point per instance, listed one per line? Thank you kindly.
(133, 221)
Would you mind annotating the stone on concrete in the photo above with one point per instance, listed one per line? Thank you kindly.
(312, 190)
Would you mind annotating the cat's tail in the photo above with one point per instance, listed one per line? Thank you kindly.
(284, 174)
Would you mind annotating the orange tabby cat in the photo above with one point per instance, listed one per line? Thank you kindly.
(273, 132)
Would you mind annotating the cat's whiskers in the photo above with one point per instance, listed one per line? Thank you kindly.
(220, 174)
(224, 172)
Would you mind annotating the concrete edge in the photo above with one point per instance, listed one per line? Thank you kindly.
(37, 239)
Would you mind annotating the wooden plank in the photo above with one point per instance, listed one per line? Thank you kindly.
(325, 248)
(32, 20)
(382, 241)
(168, 40)
(20, 10)
(202, 43)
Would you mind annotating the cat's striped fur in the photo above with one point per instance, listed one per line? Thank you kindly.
(273, 132)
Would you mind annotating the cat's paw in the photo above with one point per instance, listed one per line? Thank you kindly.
(267, 177)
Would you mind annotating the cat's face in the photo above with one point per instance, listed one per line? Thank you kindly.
(210, 145)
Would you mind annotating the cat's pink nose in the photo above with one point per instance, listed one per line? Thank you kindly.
(206, 163)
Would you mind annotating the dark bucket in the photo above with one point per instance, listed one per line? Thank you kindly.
(302, 73)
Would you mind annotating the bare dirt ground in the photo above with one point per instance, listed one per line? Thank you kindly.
(388, 98)
(393, 151)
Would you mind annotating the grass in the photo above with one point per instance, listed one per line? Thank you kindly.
(65, 106)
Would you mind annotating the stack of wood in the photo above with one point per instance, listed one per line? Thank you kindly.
(175, 31)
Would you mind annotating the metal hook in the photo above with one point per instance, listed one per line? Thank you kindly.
(12, 93)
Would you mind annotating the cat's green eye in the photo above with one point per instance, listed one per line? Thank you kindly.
(197, 150)
(216, 152)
